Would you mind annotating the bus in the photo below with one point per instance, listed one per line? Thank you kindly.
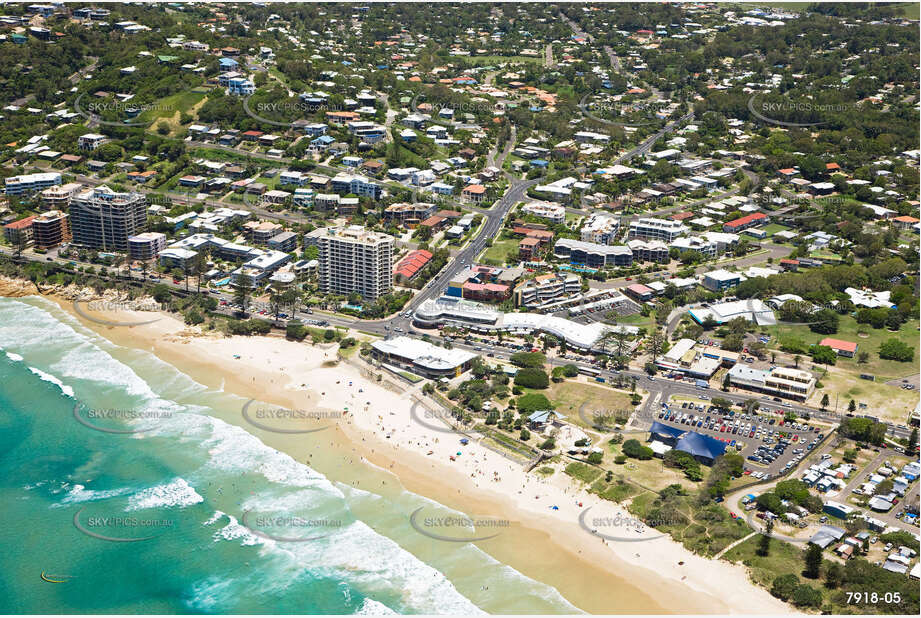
(589, 371)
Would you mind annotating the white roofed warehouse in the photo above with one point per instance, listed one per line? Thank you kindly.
(422, 358)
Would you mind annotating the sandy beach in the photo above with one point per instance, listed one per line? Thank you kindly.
(372, 424)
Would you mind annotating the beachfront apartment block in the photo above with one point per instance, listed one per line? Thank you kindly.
(58, 197)
(353, 259)
(146, 246)
(657, 229)
(784, 382)
(19, 233)
(600, 229)
(101, 218)
(27, 183)
(50, 229)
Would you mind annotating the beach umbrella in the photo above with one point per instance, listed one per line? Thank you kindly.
(458, 453)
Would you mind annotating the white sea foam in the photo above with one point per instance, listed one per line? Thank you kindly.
(79, 493)
(234, 530)
(14, 357)
(212, 594)
(177, 492)
(370, 607)
(371, 563)
(47, 377)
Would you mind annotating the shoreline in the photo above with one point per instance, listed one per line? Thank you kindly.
(605, 577)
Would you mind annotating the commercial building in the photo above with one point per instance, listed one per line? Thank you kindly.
(685, 356)
(422, 358)
(50, 229)
(752, 310)
(101, 218)
(146, 246)
(591, 254)
(452, 311)
(353, 259)
(657, 229)
(780, 381)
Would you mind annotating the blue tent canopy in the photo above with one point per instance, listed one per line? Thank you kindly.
(701, 446)
(661, 429)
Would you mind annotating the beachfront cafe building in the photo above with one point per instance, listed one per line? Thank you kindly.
(422, 358)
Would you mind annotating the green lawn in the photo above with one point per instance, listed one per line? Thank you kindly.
(783, 558)
(583, 472)
(843, 382)
(847, 331)
(172, 107)
(500, 249)
(773, 228)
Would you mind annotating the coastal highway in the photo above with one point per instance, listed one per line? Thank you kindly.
(659, 388)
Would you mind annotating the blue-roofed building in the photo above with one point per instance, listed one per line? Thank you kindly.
(703, 448)
(665, 433)
(539, 163)
(228, 64)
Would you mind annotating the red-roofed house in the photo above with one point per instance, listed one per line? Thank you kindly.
(412, 264)
(748, 221)
(681, 216)
(843, 348)
(528, 248)
(434, 222)
(639, 292)
(788, 173)
(474, 193)
(789, 264)
(904, 222)
(832, 167)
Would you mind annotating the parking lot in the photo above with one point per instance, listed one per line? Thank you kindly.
(770, 445)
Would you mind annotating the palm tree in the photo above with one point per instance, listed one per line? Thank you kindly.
(796, 360)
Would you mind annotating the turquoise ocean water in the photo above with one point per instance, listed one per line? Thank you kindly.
(177, 492)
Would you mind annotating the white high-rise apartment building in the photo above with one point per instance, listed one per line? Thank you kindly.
(352, 259)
